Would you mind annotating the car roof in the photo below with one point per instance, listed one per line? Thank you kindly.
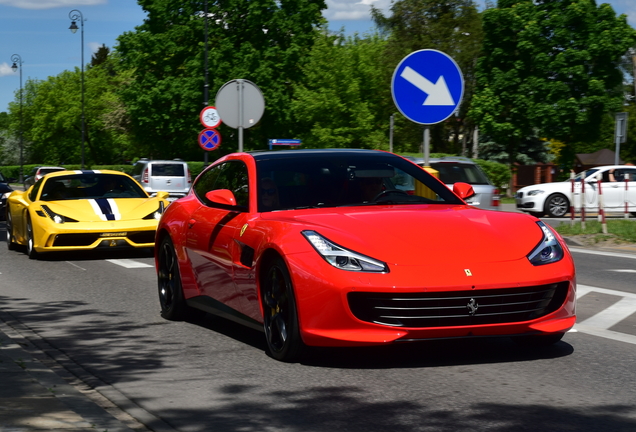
(283, 154)
(175, 161)
(87, 172)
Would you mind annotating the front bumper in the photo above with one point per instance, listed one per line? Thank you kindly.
(50, 237)
(326, 317)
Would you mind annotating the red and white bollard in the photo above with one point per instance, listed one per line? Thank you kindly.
(601, 204)
(626, 196)
(583, 201)
(572, 197)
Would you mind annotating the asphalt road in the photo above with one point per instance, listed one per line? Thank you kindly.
(98, 315)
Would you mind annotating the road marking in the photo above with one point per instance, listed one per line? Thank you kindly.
(128, 263)
(598, 325)
(612, 315)
(604, 253)
(75, 265)
(622, 270)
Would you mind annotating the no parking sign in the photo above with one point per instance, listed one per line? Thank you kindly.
(209, 139)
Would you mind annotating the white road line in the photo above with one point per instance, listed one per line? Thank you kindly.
(581, 290)
(607, 334)
(612, 315)
(622, 270)
(75, 265)
(599, 324)
(127, 263)
(604, 253)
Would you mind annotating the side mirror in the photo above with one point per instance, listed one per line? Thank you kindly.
(221, 196)
(463, 190)
(163, 195)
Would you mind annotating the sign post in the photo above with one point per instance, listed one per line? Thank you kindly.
(427, 87)
(240, 104)
(620, 134)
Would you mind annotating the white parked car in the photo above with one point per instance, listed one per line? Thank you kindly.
(553, 199)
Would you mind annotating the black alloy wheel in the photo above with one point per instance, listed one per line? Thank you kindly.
(557, 205)
(280, 314)
(31, 252)
(169, 283)
(9, 224)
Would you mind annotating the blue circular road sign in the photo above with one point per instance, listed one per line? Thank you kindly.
(427, 86)
(209, 139)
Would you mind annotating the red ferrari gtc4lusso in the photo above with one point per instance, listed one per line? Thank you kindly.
(357, 247)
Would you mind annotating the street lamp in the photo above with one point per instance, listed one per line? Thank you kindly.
(76, 15)
(17, 60)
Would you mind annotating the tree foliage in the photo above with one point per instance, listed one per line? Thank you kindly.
(450, 26)
(549, 66)
(333, 104)
(263, 41)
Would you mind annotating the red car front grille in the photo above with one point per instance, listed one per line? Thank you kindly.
(463, 308)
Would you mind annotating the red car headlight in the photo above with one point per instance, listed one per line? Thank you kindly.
(343, 258)
(548, 250)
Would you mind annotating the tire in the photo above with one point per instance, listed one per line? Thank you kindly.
(173, 305)
(280, 318)
(31, 252)
(557, 206)
(538, 340)
(11, 245)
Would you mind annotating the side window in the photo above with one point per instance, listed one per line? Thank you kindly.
(137, 168)
(205, 183)
(234, 177)
(230, 175)
(35, 190)
(631, 172)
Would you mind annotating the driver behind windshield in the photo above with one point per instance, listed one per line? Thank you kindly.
(370, 187)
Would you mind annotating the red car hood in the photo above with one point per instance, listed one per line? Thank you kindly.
(423, 234)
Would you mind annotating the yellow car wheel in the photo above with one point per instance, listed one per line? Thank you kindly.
(31, 252)
(9, 224)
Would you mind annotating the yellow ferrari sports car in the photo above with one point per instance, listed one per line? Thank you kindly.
(83, 210)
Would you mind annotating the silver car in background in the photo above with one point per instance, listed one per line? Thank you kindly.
(453, 169)
(172, 176)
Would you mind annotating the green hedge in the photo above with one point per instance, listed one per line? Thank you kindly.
(14, 171)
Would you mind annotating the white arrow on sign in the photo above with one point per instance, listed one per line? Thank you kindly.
(438, 93)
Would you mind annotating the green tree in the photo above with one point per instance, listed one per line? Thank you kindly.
(337, 103)
(52, 110)
(450, 26)
(550, 68)
(264, 41)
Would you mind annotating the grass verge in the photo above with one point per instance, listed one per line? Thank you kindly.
(624, 230)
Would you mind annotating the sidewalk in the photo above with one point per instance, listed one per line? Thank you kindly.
(35, 398)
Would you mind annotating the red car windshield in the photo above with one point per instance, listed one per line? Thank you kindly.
(310, 180)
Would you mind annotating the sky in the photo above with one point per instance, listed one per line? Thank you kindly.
(38, 31)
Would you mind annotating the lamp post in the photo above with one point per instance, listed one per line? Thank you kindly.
(76, 15)
(17, 60)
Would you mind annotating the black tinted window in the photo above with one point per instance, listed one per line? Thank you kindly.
(450, 173)
(231, 175)
(344, 179)
(167, 170)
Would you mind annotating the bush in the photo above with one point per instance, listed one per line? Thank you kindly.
(498, 173)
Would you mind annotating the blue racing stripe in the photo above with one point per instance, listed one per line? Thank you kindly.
(104, 206)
